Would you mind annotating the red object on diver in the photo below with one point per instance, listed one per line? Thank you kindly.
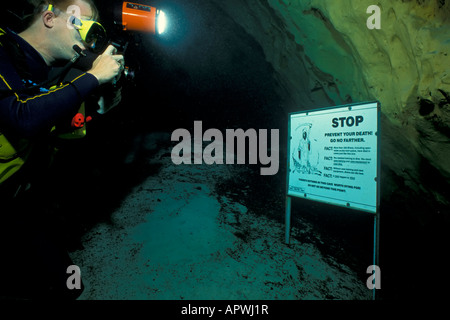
(78, 121)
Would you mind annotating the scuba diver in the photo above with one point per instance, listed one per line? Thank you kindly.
(35, 103)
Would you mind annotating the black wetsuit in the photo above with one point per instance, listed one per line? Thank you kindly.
(33, 264)
(32, 113)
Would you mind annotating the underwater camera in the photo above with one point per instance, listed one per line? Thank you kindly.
(129, 19)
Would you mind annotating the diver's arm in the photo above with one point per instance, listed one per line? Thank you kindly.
(30, 115)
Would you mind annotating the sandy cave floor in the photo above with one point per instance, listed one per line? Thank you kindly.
(175, 237)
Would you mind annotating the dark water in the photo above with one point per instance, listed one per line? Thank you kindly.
(209, 69)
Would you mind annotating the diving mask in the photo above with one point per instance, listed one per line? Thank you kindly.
(91, 32)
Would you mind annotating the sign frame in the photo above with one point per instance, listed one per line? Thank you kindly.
(332, 197)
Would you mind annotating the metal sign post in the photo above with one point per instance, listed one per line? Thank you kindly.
(376, 244)
(288, 220)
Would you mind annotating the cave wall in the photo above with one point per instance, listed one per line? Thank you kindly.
(323, 54)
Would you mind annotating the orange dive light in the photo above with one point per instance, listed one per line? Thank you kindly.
(144, 18)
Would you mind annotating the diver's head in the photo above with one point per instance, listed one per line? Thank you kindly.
(54, 27)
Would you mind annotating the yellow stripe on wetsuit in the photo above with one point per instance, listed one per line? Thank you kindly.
(41, 95)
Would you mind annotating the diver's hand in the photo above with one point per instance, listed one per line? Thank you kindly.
(107, 66)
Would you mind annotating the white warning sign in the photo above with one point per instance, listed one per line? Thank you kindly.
(333, 156)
